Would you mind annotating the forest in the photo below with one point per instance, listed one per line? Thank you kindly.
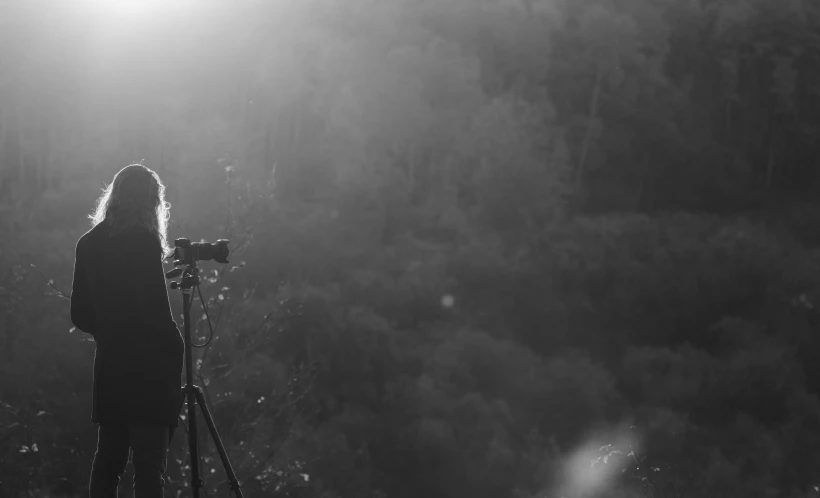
(479, 248)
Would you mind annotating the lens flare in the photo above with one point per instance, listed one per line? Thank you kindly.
(591, 469)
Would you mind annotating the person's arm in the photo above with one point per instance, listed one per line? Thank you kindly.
(82, 309)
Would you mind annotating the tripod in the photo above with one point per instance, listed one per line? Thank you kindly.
(193, 393)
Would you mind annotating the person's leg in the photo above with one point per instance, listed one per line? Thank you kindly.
(149, 444)
(110, 460)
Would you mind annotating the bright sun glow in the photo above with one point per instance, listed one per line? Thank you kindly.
(127, 11)
(134, 7)
(117, 24)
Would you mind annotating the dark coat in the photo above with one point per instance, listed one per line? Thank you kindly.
(119, 296)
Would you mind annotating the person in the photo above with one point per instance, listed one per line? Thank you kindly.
(119, 296)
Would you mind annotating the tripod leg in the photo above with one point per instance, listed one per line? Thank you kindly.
(196, 480)
(235, 484)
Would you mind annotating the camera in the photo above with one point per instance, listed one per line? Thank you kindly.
(188, 253)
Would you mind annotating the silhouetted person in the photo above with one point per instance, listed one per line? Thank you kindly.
(119, 297)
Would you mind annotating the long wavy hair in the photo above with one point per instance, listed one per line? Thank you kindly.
(136, 197)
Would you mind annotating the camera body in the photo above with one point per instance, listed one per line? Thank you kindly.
(188, 253)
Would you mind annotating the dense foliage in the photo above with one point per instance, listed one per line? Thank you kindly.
(535, 248)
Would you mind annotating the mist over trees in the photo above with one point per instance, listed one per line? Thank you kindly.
(485, 248)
